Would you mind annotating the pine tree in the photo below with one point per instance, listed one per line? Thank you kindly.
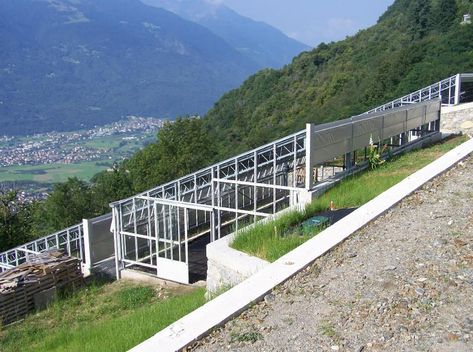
(420, 18)
(445, 14)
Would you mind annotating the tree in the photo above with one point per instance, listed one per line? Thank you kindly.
(182, 147)
(445, 14)
(15, 221)
(109, 186)
(420, 18)
(68, 204)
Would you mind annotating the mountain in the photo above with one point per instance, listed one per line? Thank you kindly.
(415, 43)
(260, 42)
(66, 64)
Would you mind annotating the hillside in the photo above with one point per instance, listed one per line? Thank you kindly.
(67, 64)
(260, 42)
(414, 43)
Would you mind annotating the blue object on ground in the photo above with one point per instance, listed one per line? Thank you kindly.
(315, 222)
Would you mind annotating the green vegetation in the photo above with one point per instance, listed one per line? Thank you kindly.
(272, 240)
(328, 329)
(101, 317)
(250, 336)
(15, 221)
(52, 173)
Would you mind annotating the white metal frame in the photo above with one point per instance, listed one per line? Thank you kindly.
(70, 239)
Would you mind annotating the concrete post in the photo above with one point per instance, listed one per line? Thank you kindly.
(458, 84)
(309, 156)
(87, 254)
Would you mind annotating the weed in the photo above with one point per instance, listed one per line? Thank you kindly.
(375, 153)
(327, 329)
(250, 336)
(132, 297)
(210, 295)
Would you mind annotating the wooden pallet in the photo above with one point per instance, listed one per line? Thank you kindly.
(20, 285)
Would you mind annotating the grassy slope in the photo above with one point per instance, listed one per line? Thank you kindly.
(265, 241)
(110, 317)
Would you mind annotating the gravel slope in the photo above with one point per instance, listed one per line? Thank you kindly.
(403, 283)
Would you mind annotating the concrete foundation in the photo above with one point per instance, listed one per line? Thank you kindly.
(457, 119)
(227, 267)
(139, 276)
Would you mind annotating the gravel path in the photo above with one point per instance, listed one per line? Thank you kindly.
(403, 283)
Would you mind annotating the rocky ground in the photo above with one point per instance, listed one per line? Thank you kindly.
(403, 283)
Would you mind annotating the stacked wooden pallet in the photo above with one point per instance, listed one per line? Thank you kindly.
(23, 288)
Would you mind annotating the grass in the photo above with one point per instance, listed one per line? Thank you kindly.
(101, 317)
(51, 173)
(272, 240)
(327, 329)
(250, 336)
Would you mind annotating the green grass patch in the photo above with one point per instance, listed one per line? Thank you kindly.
(250, 336)
(272, 240)
(52, 173)
(106, 142)
(101, 317)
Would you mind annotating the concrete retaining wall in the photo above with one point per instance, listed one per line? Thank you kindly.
(227, 267)
(457, 119)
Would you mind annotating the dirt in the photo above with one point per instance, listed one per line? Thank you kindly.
(403, 283)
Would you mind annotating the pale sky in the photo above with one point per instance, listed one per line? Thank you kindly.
(313, 21)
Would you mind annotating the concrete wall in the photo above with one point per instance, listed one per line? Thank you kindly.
(228, 267)
(457, 119)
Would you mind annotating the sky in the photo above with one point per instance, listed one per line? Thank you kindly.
(313, 21)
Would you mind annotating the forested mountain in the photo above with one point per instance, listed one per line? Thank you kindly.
(260, 42)
(415, 43)
(66, 64)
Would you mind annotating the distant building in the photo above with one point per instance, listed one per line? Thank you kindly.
(466, 18)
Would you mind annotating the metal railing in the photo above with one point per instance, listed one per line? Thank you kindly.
(71, 240)
(446, 90)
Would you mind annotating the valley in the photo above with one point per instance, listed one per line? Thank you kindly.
(34, 163)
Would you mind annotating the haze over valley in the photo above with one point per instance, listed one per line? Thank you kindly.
(66, 65)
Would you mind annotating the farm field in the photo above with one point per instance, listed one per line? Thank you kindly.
(92, 155)
(52, 173)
